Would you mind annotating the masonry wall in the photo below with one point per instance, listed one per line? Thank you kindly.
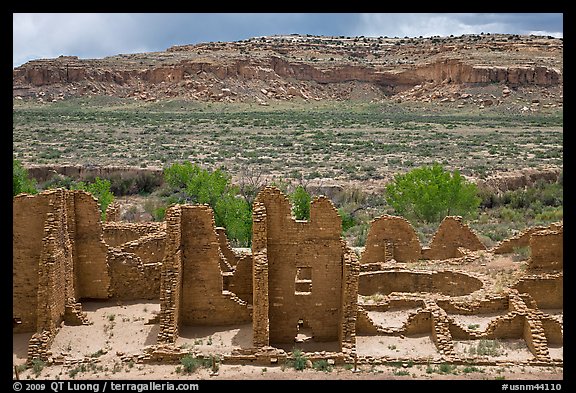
(391, 237)
(117, 233)
(443, 282)
(191, 284)
(451, 234)
(304, 267)
(90, 263)
(171, 278)
(28, 219)
(130, 278)
(241, 280)
(521, 240)
(203, 300)
(260, 298)
(43, 268)
(547, 250)
(546, 289)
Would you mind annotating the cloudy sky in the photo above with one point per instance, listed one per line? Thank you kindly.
(94, 35)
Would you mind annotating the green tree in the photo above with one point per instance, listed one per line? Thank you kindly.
(194, 184)
(21, 182)
(100, 189)
(431, 193)
(300, 199)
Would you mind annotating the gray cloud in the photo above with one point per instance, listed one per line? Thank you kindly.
(414, 25)
(90, 35)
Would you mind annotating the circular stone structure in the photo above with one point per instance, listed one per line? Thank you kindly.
(442, 282)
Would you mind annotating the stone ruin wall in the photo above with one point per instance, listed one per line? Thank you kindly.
(117, 233)
(391, 237)
(547, 249)
(191, 283)
(90, 251)
(59, 243)
(521, 240)
(451, 235)
(302, 272)
(48, 266)
(236, 268)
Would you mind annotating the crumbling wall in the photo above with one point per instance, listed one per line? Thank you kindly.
(203, 300)
(350, 272)
(231, 257)
(191, 284)
(546, 289)
(451, 234)
(28, 220)
(547, 250)
(303, 261)
(117, 233)
(260, 298)
(43, 268)
(520, 240)
(130, 278)
(135, 265)
(113, 212)
(240, 283)
(90, 251)
(391, 237)
(444, 282)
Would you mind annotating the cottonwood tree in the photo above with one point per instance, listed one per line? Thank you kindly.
(430, 193)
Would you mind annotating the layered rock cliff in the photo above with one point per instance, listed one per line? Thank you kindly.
(309, 67)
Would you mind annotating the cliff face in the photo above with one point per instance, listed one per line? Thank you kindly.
(284, 67)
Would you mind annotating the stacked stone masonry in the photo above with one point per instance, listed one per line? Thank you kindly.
(298, 275)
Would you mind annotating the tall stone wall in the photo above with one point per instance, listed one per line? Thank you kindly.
(90, 263)
(452, 234)
(171, 278)
(203, 300)
(304, 264)
(260, 298)
(391, 237)
(28, 220)
(44, 283)
(191, 284)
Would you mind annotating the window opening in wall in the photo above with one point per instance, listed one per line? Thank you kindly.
(304, 332)
(388, 251)
(303, 281)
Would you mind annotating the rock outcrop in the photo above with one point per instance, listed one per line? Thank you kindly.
(307, 67)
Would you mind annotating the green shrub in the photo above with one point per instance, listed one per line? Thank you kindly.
(486, 348)
(300, 199)
(322, 365)
(100, 189)
(192, 184)
(430, 193)
(37, 366)
(21, 182)
(298, 360)
(191, 363)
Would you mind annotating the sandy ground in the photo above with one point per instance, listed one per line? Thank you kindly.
(123, 329)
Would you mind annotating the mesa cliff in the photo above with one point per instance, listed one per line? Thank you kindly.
(307, 67)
